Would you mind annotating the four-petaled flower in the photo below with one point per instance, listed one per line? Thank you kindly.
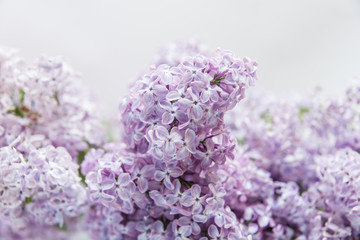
(191, 197)
(165, 172)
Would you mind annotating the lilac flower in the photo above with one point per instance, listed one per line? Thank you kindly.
(45, 103)
(193, 220)
(166, 172)
(168, 138)
(176, 194)
(142, 176)
(188, 145)
(207, 157)
(122, 182)
(42, 191)
(181, 233)
(192, 102)
(215, 234)
(218, 193)
(172, 112)
(191, 197)
(156, 147)
(153, 92)
(99, 187)
(159, 231)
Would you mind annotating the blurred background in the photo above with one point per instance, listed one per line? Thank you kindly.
(299, 44)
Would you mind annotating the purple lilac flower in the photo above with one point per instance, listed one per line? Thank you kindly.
(175, 135)
(43, 103)
(42, 191)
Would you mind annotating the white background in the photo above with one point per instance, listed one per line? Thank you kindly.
(298, 44)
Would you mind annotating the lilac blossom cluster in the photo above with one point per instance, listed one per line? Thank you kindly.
(44, 103)
(40, 191)
(47, 123)
(162, 183)
(309, 147)
(274, 168)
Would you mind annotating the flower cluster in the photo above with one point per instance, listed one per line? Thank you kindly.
(308, 147)
(41, 190)
(163, 181)
(47, 122)
(43, 103)
(274, 168)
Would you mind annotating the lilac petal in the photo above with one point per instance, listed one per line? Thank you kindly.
(205, 96)
(185, 231)
(185, 102)
(213, 231)
(187, 201)
(94, 197)
(127, 160)
(142, 185)
(157, 153)
(195, 190)
(167, 118)
(175, 71)
(219, 220)
(159, 175)
(107, 185)
(177, 185)
(173, 96)
(214, 97)
(158, 226)
(123, 193)
(190, 136)
(181, 116)
(200, 218)
(107, 197)
(171, 199)
(148, 97)
(160, 90)
(195, 228)
(158, 198)
(182, 153)
(253, 228)
(124, 179)
(263, 221)
(170, 148)
(162, 133)
(168, 184)
(176, 172)
(205, 163)
(197, 112)
(197, 207)
(167, 78)
(148, 171)
(183, 221)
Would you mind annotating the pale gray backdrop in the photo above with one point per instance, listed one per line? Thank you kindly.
(298, 44)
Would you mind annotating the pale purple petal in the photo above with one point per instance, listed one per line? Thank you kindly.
(167, 118)
(159, 175)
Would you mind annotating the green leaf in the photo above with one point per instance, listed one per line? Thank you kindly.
(22, 95)
(320, 208)
(28, 200)
(241, 141)
(303, 111)
(57, 97)
(80, 159)
(217, 80)
(63, 228)
(18, 112)
(81, 155)
(266, 116)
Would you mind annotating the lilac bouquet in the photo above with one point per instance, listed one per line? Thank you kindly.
(196, 158)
